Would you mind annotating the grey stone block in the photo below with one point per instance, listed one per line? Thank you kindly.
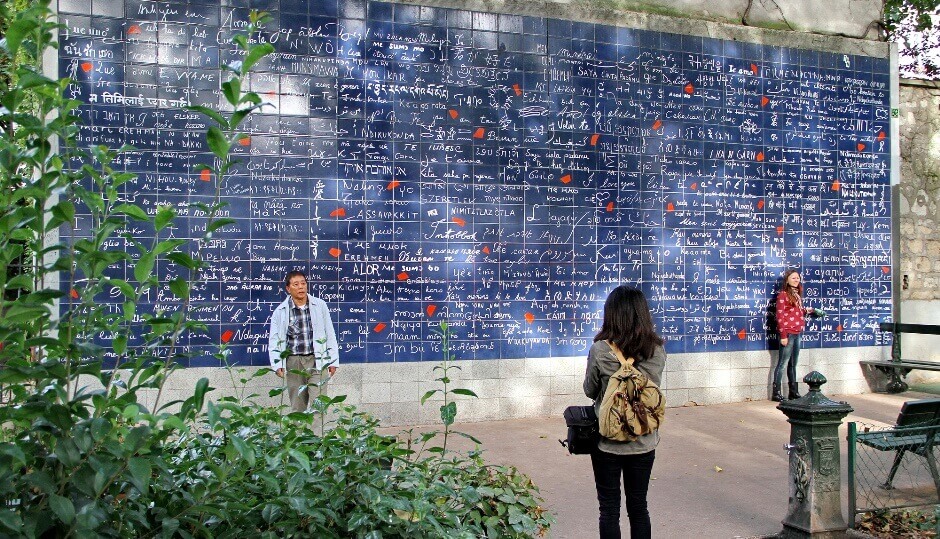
(558, 403)
(676, 380)
(376, 393)
(403, 413)
(411, 371)
(564, 385)
(480, 410)
(676, 397)
(353, 392)
(697, 362)
(485, 369)
(855, 17)
(529, 407)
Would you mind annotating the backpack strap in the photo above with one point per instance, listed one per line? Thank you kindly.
(619, 355)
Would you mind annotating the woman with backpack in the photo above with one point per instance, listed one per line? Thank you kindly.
(628, 325)
(791, 319)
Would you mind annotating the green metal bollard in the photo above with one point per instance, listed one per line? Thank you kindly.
(815, 507)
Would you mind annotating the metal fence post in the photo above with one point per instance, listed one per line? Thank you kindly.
(853, 432)
(815, 508)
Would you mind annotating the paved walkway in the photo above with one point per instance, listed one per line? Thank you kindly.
(720, 472)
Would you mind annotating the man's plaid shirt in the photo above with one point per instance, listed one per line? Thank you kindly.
(300, 330)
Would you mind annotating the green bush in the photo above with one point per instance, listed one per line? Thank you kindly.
(80, 455)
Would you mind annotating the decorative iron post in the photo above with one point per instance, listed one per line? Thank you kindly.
(815, 509)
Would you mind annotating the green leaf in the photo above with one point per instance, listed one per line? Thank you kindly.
(239, 115)
(244, 450)
(100, 427)
(215, 116)
(180, 288)
(11, 520)
(256, 53)
(130, 307)
(175, 423)
(67, 452)
(144, 268)
(133, 211)
(18, 31)
(302, 459)
(217, 143)
(232, 89)
(119, 343)
(170, 526)
(64, 210)
(63, 508)
(141, 471)
(199, 394)
(130, 412)
(31, 79)
(23, 281)
(428, 395)
(166, 246)
(271, 513)
(219, 223)
(18, 314)
(46, 342)
(461, 391)
(183, 259)
(165, 215)
(213, 413)
(470, 437)
(136, 438)
(449, 413)
(15, 454)
(123, 286)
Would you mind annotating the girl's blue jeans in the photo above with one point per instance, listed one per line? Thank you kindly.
(789, 354)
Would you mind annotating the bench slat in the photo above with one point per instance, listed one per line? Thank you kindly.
(920, 413)
(885, 442)
(925, 329)
(904, 364)
(918, 420)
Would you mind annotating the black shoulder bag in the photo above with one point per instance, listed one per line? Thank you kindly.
(582, 430)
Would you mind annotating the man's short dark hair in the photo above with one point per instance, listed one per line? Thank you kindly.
(291, 275)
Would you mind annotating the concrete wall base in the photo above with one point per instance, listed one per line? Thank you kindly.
(537, 387)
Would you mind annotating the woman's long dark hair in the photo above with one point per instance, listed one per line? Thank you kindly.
(793, 294)
(628, 324)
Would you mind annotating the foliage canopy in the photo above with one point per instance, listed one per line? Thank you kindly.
(915, 26)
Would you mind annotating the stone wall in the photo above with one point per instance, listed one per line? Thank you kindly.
(918, 211)
(920, 191)
(848, 18)
(535, 387)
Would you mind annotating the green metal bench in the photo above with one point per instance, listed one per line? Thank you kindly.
(916, 431)
(897, 368)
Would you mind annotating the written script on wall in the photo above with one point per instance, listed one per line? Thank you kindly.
(499, 172)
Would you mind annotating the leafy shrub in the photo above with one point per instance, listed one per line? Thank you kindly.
(81, 455)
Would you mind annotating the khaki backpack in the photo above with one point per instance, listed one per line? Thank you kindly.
(632, 405)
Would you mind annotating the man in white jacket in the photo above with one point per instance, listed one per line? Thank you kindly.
(301, 330)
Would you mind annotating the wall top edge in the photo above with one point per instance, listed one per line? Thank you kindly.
(662, 23)
(922, 83)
